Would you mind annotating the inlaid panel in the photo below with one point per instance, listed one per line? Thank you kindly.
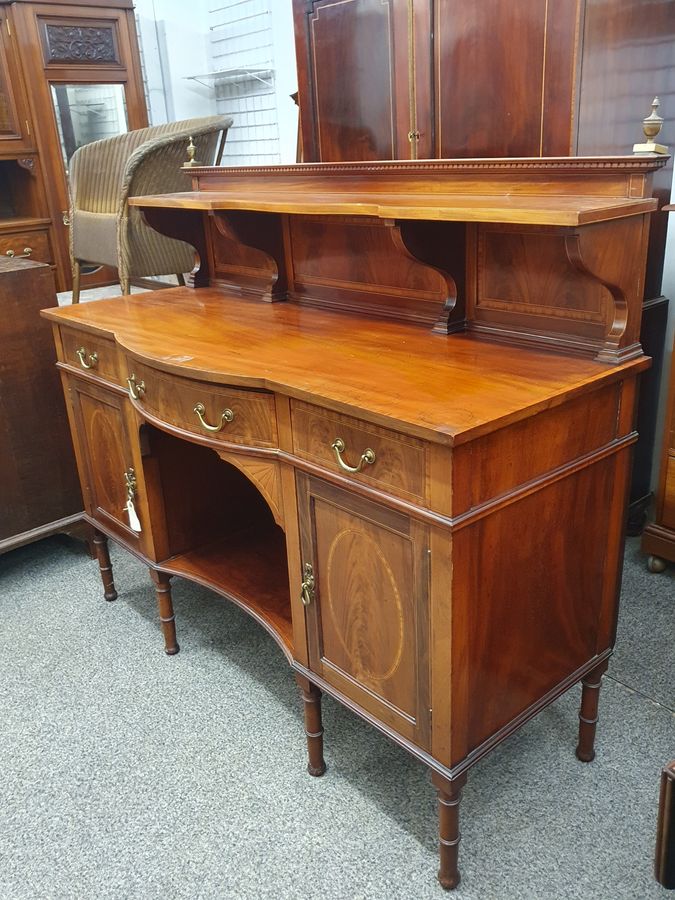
(105, 448)
(504, 77)
(370, 613)
(531, 273)
(363, 265)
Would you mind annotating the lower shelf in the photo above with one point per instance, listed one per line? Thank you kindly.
(249, 568)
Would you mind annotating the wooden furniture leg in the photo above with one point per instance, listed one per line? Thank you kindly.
(588, 714)
(313, 727)
(166, 614)
(103, 556)
(449, 796)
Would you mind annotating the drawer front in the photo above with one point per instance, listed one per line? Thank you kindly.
(399, 460)
(90, 353)
(231, 415)
(30, 244)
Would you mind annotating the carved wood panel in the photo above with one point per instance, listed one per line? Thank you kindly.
(82, 41)
(368, 624)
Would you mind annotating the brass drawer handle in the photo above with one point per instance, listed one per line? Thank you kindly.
(367, 457)
(226, 417)
(83, 356)
(26, 253)
(307, 586)
(136, 388)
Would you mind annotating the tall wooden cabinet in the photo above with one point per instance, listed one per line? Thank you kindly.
(383, 79)
(69, 73)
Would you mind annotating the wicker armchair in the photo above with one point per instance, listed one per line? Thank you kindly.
(105, 230)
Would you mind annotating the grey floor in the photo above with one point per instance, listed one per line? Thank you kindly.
(125, 773)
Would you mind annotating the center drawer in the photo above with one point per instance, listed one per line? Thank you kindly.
(377, 456)
(221, 413)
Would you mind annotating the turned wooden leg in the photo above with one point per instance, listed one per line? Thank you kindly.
(449, 796)
(313, 727)
(103, 557)
(588, 714)
(166, 615)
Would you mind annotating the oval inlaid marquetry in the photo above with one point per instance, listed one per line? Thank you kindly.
(365, 605)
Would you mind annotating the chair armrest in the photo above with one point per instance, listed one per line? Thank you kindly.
(155, 167)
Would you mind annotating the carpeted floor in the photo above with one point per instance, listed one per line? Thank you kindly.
(125, 773)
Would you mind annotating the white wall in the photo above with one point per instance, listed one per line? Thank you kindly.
(252, 45)
(174, 38)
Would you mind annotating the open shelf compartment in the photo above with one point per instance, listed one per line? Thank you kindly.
(220, 531)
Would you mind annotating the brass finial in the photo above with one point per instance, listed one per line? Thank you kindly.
(651, 126)
(191, 150)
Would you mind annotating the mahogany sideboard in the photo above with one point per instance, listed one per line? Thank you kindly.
(413, 470)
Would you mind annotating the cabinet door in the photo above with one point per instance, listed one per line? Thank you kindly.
(362, 86)
(13, 118)
(504, 77)
(368, 618)
(105, 456)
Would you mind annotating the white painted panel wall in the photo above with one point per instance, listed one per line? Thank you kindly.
(231, 56)
(252, 47)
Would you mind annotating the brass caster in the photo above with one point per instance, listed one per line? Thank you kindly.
(656, 564)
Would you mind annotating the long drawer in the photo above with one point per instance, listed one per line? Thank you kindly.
(384, 459)
(222, 413)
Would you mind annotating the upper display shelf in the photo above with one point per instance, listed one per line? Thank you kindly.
(539, 191)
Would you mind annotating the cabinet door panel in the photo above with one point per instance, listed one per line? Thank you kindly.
(504, 77)
(13, 118)
(105, 453)
(368, 623)
(352, 61)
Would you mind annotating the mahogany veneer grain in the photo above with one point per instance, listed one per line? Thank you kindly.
(448, 389)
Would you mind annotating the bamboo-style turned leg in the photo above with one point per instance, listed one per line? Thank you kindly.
(167, 618)
(588, 714)
(313, 727)
(103, 557)
(449, 796)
